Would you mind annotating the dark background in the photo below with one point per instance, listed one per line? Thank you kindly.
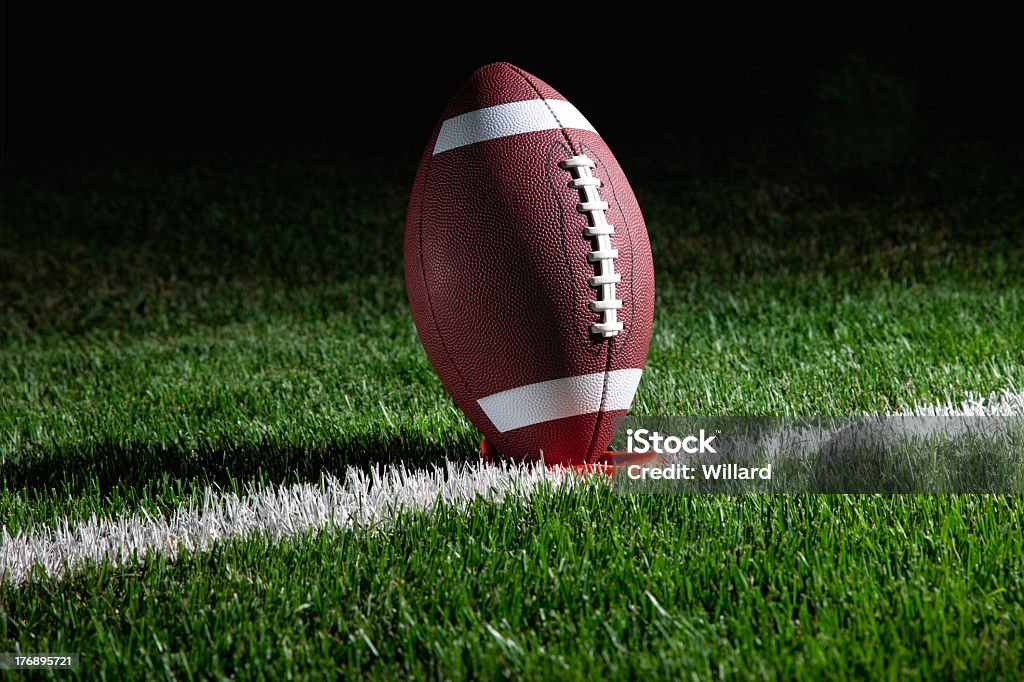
(85, 81)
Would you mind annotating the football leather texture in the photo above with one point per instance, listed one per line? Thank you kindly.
(528, 269)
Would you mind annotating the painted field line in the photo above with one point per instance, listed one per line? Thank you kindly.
(1005, 403)
(845, 434)
(363, 500)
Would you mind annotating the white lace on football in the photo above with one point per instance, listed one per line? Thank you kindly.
(599, 230)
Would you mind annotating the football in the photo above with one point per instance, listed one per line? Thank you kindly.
(528, 269)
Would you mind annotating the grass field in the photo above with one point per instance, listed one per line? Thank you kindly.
(172, 323)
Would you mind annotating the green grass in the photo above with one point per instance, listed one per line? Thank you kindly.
(168, 323)
(573, 586)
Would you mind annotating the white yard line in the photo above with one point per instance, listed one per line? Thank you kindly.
(845, 434)
(1006, 403)
(281, 511)
(362, 500)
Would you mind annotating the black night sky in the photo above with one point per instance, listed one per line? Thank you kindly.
(87, 82)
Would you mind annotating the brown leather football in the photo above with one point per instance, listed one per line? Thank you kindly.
(528, 269)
